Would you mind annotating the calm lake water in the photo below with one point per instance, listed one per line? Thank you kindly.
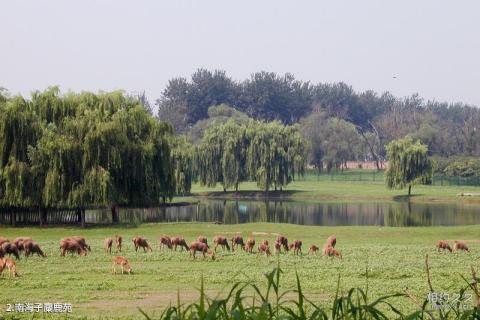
(397, 214)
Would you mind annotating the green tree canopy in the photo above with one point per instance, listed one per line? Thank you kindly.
(80, 150)
(269, 153)
(408, 164)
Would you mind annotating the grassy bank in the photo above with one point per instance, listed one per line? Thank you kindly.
(393, 256)
(325, 190)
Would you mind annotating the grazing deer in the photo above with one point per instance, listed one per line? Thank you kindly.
(296, 246)
(18, 242)
(107, 245)
(202, 247)
(221, 241)
(443, 245)
(122, 262)
(10, 265)
(250, 245)
(282, 240)
(179, 241)
(331, 241)
(203, 239)
(460, 245)
(313, 249)
(118, 243)
(80, 240)
(330, 251)
(72, 246)
(165, 241)
(265, 249)
(31, 247)
(140, 242)
(10, 249)
(237, 240)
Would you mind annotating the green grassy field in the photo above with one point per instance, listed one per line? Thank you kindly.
(325, 190)
(394, 258)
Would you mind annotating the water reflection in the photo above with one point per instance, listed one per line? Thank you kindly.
(396, 214)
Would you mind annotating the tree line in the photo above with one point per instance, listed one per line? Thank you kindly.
(85, 150)
(366, 120)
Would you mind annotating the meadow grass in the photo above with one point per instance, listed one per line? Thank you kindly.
(393, 258)
(344, 191)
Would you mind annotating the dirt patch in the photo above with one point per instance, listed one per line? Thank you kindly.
(144, 300)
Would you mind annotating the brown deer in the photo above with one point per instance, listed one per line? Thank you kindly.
(203, 239)
(296, 246)
(31, 247)
(107, 245)
(330, 251)
(237, 240)
(221, 241)
(443, 245)
(10, 249)
(313, 249)
(331, 241)
(165, 241)
(10, 265)
(460, 245)
(282, 240)
(18, 242)
(140, 242)
(250, 245)
(265, 249)
(80, 240)
(123, 263)
(202, 247)
(118, 243)
(179, 241)
(72, 246)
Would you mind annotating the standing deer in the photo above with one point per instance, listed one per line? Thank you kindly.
(10, 265)
(108, 242)
(118, 243)
(313, 249)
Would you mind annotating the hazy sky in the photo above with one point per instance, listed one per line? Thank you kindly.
(432, 47)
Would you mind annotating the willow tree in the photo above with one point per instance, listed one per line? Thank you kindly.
(269, 153)
(275, 154)
(408, 164)
(83, 150)
(182, 158)
(19, 128)
(221, 155)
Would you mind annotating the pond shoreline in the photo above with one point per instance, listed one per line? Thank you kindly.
(305, 196)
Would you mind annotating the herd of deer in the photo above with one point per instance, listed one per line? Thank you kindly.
(79, 246)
